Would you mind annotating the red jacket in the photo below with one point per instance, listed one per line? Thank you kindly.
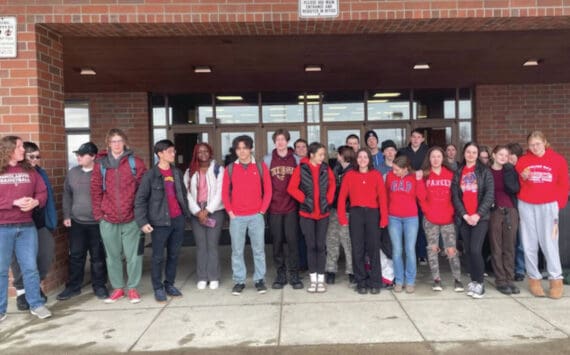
(16, 183)
(548, 181)
(296, 190)
(434, 196)
(245, 196)
(117, 203)
(402, 194)
(363, 190)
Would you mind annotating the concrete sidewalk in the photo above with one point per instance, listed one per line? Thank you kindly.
(424, 321)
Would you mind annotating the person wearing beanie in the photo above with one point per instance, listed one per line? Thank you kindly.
(389, 151)
(371, 140)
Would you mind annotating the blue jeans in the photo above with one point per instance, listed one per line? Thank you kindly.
(406, 228)
(519, 256)
(254, 226)
(21, 239)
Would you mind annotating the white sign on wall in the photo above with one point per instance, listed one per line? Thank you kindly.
(8, 38)
(318, 8)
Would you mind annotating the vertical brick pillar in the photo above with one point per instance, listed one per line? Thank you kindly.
(31, 90)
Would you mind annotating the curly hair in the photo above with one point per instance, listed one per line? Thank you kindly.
(7, 147)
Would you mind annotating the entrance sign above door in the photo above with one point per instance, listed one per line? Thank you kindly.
(318, 8)
(8, 41)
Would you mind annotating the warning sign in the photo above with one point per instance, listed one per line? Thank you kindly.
(318, 8)
(8, 36)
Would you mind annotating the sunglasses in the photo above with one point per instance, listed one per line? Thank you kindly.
(34, 157)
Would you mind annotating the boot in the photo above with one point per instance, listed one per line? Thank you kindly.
(313, 285)
(295, 281)
(330, 277)
(321, 286)
(556, 289)
(535, 287)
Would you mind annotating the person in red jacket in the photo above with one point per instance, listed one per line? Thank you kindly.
(114, 182)
(22, 189)
(364, 187)
(401, 185)
(313, 185)
(246, 193)
(434, 197)
(543, 177)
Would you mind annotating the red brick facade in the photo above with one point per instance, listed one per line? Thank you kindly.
(31, 85)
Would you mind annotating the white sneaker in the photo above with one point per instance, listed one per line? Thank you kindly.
(41, 312)
(214, 285)
(201, 285)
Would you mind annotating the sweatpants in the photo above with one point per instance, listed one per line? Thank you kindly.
(46, 251)
(539, 227)
(338, 236)
(503, 227)
(207, 246)
(123, 239)
(283, 229)
(473, 238)
(315, 231)
(365, 239)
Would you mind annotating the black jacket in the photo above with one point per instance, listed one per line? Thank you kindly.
(485, 192)
(308, 189)
(417, 157)
(151, 203)
(511, 181)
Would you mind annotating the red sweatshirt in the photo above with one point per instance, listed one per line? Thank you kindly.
(402, 195)
(245, 197)
(363, 190)
(548, 181)
(295, 190)
(434, 195)
(16, 183)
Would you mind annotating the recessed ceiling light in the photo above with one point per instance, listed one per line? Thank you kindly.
(202, 69)
(421, 66)
(313, 67)
(87, 71)
(387, 94)
(309, 97)
(377, 101)
(229, 98)
(532, 63)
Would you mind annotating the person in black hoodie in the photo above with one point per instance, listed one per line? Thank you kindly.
(338, 235)
(283, 216)
(473, 194)
(504, 220)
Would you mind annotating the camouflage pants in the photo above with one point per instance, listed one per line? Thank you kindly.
(448, 233)
(337, 235)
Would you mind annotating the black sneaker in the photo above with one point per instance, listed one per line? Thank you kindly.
(458, 287)
(295, 281)
(280, 280)
(67, 294)
(514, 290)
(101, 293)
(236, 291)
(362, 290)
(504, 289)
(519, 277)
(172, 291)
(422, 261)
(351, 279)
(375, 290)
(160, 295)
(330, 278)
(260, 286)
(436, 286)
(22, 303)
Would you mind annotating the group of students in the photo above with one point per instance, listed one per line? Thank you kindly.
(377, 202)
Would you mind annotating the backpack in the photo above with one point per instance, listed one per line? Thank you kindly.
(216, 170)
(131, 163)
(230, 169)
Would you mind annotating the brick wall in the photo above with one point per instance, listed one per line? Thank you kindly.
(507, 113)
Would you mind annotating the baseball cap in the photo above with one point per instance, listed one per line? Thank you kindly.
(87, 148)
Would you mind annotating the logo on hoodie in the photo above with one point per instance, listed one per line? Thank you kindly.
(540, 174)
(281, 172)
(15, 179)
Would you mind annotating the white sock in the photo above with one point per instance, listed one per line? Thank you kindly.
(20, 292)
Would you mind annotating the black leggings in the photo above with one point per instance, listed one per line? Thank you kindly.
(473, 239)
(315, 232)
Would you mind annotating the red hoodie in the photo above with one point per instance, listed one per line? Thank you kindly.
(434, 196)
(16, 183)
(297, 193)
(402, 194)
(548, 181)
(246, 196)
(363, 190)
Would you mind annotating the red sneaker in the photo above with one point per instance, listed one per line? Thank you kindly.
(134, 296)
(115, 296)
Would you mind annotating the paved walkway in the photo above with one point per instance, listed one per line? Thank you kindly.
(215, 318)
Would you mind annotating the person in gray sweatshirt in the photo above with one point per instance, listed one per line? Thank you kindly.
(84, 234)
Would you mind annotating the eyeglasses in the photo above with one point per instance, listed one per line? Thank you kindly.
(116, 141)
(34, 156)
